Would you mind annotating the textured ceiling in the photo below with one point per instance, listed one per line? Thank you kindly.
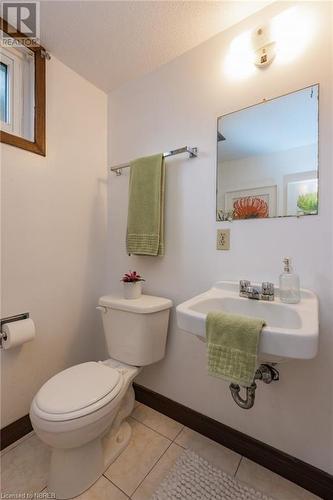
(112, 42)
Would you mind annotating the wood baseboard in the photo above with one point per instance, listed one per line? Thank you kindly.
(305, 475)
(15, 431)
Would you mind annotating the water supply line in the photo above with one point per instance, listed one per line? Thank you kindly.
(266, 373)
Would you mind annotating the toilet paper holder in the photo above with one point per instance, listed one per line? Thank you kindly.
(10, 319)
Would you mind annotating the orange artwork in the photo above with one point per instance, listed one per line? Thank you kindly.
(250, 207)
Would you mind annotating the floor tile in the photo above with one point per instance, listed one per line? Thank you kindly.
(215, 453)
(157, 421)
(103, 489)
(270, 483)
(158, 473)
(24, 468)
(136, 461)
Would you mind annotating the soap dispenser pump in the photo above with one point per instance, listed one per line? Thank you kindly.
(289, 284)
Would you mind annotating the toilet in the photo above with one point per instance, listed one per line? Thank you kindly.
(81, 412)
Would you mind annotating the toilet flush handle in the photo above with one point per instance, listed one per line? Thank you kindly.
(102, 308)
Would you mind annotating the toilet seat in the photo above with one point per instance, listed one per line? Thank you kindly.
(77, 391)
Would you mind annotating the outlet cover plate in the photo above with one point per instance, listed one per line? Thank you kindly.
(223, 239)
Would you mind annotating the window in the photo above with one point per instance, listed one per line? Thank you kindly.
(3, 92)
(17, 97)
(22, 93)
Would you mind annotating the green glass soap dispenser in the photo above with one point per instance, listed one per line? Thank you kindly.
(289, 284)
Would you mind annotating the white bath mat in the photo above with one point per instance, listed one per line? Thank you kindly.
(193, 478)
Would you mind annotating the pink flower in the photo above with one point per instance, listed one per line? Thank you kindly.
(131, 277)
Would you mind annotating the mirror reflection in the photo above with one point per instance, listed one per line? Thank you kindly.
(267, 158)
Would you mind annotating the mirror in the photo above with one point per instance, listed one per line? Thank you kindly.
(267, 158)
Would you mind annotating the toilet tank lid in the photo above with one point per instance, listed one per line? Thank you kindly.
(145, 304)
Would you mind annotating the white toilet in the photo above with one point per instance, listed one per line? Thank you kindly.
(80, 412)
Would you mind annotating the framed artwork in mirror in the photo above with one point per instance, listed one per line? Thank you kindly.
(255, 203)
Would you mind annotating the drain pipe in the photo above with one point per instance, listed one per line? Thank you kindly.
(248, 402)
(266, 373)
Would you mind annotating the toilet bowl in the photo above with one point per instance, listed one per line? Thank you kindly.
(81, 412)
(75, 413)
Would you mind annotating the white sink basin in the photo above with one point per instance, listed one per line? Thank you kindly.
(291, 330)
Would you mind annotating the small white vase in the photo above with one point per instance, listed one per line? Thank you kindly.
(132, 290)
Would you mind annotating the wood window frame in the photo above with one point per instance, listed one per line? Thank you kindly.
(38, 145)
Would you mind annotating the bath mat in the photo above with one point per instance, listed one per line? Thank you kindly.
(193, 478)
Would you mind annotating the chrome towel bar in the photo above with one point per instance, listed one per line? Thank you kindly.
(193, 153)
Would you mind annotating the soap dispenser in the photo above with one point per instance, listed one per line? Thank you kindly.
(289, 284)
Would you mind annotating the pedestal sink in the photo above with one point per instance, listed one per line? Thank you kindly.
(291, 330)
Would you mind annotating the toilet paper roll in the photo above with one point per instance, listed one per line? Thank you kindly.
(18, 332)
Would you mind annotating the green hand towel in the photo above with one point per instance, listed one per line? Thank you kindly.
(232, 343)
(145, 222)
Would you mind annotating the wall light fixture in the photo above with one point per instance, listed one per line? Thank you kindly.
(263, 46)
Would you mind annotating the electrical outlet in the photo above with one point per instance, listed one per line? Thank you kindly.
(223, 239)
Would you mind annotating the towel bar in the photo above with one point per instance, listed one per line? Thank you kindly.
(193, 153)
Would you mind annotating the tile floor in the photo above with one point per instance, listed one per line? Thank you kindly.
(156, 443)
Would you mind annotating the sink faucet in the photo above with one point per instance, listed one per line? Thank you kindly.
(263, 292)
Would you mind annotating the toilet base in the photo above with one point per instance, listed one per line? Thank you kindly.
(113, 446)
(73, 471)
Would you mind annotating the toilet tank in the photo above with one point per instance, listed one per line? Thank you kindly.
(135, 329)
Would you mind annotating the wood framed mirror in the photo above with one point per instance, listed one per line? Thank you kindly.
(22, 91)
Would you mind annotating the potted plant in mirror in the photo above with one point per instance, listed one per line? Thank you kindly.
(132, 285)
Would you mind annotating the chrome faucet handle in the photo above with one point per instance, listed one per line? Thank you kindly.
(267, 291)
(268, 288)
(243, 285)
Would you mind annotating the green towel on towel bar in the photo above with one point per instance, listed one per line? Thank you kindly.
(232, 343)
(145, 222)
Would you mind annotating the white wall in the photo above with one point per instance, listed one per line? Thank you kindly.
(176, 106)
(54, 239)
